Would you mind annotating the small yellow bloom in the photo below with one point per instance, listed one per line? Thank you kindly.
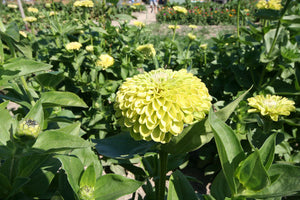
(246, 10)
(14, 6)
(203, 46)
(139, 24)
(52, 13)
(29, 19)
(269, 4)
(271, 105)
(156, 105)
(23, 34)
(89, 48)
(33, 10)
(173, 27)
(147, 49)
(84, 3)
(193, 26)
(180, 9)
(105, 61)
(48, 5)
(192, 36)
(133, 7)
(73, 46)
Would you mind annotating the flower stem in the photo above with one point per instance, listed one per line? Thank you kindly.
(27, 90)
(238, 18)
(163, 160)
(174, 31)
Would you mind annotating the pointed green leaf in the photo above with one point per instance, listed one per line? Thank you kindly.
(57, 98)
(180, 188)
(113, 186)
(6, 123)
(50, 79)
(229, 148)
(36, 113)
(88, 177)
(252, 174)
(267, 151)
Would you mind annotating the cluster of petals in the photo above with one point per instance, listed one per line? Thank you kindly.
(156, 105)
(203, 46)
(14, 6)
(173, 27)
(84, 3)
(180, 9)
(147, 49)
(33, 10)
(139, 24)
(23, 34)
(29, 19)
(192, 36)
(52, 13)
(192, 26)
(105, 61)
(89, 48)
(73, 46)
(269, 4)
(271, 105)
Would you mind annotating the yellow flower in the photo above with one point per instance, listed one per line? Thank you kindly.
(246, 10)
(48, 5)
(139, 24)
(147, 49)
(156, 105)
(23, 34)
(52, 13)
(33, 10)
(180, 9)
(203, 46)
(192, 36)
(133, 7)
(271, 105)
(173, 27)
(193, 26)
(28, 128)
(73, 46)
(84, 3)
(105, 61)
(269, 4)
(14, 6)
(89, 48)
(29, 19)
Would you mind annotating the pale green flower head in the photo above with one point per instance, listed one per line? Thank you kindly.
(147, 49)
(86, 193)
(29, 128)
(271, 105)
(33, 10)
(89, 48)
(173, 27)
(73, 46)
(30, 19)
(156, 105)
(139, 24)
(269, 4)
(105, 61)
(180, 9)
(192, 26)
(192, 36)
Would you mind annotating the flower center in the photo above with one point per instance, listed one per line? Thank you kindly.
(270, 103)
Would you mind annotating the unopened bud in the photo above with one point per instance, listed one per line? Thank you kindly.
(29, 127)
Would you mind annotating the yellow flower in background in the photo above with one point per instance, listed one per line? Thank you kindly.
(84, 3)
(192, 36)
(14, 6)
(33, 10)
(173, 27)
(105, 61)
(203, 46)
(269, 4)
(193, 26)
(147, 49)
(136, 4)
(139, 24)
(23, 34)
(180, 9)
(29, 19)
(52, 13)
(271, 105)
(73, 46)
(89, 48)
(156, 105)
(133, 7)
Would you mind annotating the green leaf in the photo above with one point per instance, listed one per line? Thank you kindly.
(88, 177)
(291, 19)
(267, 151)
(51, 79)
(122, 146)
(252, 174)
(229, 149)
(4, 185)
(18, 183)
(73, 168)
(285, 182)
(20, 67)
(113, 186)
(36, 113)
(224, 113)
(180, 187)
(57, 141)
(57, 98)
(6, 123)
(219, 190)
(192, 137)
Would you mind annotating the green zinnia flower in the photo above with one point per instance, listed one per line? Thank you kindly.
(156, 105)
(271, 105)
(28, 127)
(147, 49)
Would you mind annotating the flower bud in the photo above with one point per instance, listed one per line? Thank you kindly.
(86, 193)
(29, 128)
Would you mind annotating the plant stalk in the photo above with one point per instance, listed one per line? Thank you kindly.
(163, 160)
(24, 83)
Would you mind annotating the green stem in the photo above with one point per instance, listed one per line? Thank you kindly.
(238, 18)
(163, 160)
(187, 53)
(174, 31)
(205, 62)
(27, 90)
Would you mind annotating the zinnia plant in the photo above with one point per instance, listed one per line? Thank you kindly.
(271, 4)
(147, 49)
(156, 105)
(105, 61)
(271, 105)
(85, 3)
(33, 10)
(180, 9)
(73, 46)
(30, 19)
